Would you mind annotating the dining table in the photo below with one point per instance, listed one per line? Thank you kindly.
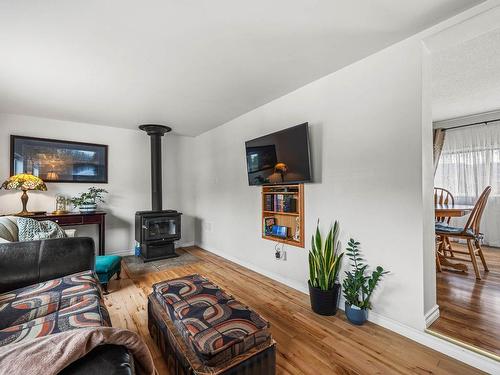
(445, 211)
(452, 210)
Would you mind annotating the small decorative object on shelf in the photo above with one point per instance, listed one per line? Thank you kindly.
(324, 268)
(296, 235)
(358, 287)
(61, 205)
(87, 202)
(24, 182)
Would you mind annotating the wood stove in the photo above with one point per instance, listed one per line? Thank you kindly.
(156, 230)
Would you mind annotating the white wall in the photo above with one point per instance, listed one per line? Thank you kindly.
(129, 175)
(367, 140)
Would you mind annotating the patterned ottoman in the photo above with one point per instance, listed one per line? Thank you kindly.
(201, 329)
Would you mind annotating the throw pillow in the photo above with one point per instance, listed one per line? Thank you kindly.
(32, 230)
(8, 228)
(3, 240)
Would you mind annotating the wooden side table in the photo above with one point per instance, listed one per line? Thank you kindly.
(77, 218)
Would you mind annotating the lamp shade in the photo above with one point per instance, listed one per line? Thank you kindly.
(281, 168)
(24, 181)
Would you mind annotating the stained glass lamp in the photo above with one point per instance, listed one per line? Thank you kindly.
(24, 182)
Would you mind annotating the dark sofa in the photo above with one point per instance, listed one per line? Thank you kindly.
(26, 263)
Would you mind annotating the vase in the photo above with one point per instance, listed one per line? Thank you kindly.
(324, 302)
(87, 207)
(355, 314)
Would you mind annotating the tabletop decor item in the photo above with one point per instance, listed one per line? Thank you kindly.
(61, 205)
(24, 182)
(87, 201)
(59, 161)
(358, 286)
(324, 267)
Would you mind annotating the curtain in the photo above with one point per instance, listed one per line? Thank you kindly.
(438, 140)
(469, 162)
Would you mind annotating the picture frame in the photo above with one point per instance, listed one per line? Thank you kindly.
(56, 160)
(269, 222)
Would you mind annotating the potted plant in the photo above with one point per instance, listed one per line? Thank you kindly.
(358, 285)
(324, 267)
(87, 202)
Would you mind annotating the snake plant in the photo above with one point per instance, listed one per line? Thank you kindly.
(324, 260)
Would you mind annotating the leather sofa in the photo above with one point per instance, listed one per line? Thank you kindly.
(27, 263)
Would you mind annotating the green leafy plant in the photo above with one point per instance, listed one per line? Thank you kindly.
(93, 195)
(358, 285)
(324, 262)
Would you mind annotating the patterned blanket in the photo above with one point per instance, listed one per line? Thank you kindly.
(47, 326)
(50, 354)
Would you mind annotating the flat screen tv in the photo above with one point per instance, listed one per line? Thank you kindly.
(279, 158)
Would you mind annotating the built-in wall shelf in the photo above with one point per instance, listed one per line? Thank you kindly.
(284, 204)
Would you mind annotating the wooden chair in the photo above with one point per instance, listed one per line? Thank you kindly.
(470, 232)
(443, 196)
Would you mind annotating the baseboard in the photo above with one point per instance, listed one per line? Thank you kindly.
(450, 349)
(121, 253)
(184, 244)
(465, 345)
(431, 316)
(288, 282)
(439, 344)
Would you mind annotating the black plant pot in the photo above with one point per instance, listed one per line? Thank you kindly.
(324, 302)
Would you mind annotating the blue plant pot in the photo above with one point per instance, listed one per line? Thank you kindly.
(356, 315)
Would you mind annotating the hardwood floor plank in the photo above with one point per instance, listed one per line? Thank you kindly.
(307, 343)
(469, 308)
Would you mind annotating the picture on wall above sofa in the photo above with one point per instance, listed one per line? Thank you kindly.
(59, 161)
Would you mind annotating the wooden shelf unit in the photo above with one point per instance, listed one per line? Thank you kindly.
(288, 219)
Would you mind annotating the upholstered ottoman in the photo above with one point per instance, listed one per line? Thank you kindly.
(200, 329)
(106, 266)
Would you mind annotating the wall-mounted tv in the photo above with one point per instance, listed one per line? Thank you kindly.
(279, 158)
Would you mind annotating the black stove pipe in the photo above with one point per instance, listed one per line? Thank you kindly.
(156, 132)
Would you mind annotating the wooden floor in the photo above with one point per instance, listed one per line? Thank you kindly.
(307, 343)
(470, 309)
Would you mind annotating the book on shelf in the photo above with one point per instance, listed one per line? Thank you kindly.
(268, 202)
(284, 203)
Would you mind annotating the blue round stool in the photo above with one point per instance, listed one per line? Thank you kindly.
(106, 266)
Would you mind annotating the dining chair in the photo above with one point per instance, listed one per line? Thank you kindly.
(444, 196)
(470, 232)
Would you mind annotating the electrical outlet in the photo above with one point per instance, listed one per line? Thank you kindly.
(280, 255)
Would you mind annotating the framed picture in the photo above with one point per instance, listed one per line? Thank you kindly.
(269, 222)
(59, 161)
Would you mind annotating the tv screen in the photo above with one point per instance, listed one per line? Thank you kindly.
(279, 158)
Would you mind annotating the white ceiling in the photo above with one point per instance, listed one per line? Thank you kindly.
(466, 78)
(191, 64)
